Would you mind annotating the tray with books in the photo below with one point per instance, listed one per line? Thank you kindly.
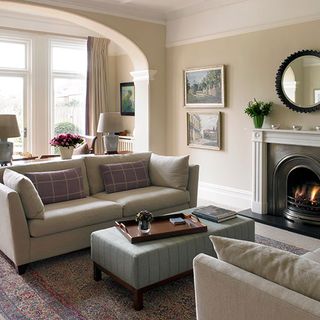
(161, 227)
(214, 213)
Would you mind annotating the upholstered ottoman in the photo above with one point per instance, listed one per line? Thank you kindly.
(141, 266)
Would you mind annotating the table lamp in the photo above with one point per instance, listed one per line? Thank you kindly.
(110, 123)
(8, 129)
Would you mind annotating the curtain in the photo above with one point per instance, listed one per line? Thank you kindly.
(97, 86)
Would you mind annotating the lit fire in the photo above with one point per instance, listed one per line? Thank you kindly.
(307, 194)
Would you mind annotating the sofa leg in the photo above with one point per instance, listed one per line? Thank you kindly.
(21, 269)
(97, 275)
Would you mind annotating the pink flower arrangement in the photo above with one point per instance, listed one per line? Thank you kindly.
(66, 140)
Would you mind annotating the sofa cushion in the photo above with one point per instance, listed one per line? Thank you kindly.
(167, 171)
(58, 186)
(31, 202)
(125, 176)
(150, 198)
(93, 164)
(53, 165)
(73, 214)
(284, 268)
(313, 255)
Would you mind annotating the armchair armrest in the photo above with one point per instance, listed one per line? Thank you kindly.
(14, 231)
(226, 292)
(192, 186)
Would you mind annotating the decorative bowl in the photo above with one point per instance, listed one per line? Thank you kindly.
(317, 128)
(296, 127)
(275, 126)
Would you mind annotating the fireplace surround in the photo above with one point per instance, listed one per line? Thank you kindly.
(286, 171)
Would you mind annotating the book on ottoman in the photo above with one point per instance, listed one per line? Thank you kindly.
(214, 213)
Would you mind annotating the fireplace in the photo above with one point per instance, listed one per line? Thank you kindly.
(286, 180)
(286, 174)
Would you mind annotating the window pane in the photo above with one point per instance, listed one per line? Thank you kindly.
(69, 59)
(11, 102)
(12, 55)
(69, 105)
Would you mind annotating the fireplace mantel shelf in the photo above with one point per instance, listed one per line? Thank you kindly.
(292, 137)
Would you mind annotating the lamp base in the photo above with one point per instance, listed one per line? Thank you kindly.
(110, 143)
(6, 151)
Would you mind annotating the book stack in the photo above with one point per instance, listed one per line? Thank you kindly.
(214, 213)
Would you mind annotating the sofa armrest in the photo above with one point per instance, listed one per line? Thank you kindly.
(226, 292)
(14, 231)
(192, 186)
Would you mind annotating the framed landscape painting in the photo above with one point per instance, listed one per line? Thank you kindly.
(204, 130)
(127, 99)
(204, 87)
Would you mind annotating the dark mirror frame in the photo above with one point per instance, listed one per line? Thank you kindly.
(279, 75)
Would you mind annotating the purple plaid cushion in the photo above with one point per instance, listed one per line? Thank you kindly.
(57, 186)
(125, 176)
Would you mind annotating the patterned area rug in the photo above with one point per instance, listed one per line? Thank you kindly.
(63, 288)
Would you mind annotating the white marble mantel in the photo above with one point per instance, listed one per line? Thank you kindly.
(260, 139)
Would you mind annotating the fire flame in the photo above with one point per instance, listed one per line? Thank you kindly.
(314, 193)
(300, 192)
(305, 193)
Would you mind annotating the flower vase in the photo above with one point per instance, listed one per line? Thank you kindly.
(258, 121)
(144, 226)
(66, 152)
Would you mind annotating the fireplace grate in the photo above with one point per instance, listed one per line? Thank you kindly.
(305, 205)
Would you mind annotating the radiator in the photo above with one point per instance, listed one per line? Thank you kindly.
(125, 143)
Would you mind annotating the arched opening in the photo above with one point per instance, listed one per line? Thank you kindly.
(140, 74)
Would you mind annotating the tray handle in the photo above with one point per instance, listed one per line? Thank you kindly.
(194, 218)
(122, 226)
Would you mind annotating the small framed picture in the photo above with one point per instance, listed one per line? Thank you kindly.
(316, 96)
(204, 87)
(127, 99)
(204, 130)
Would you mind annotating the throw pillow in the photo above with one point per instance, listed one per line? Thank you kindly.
(58, 186)
(168, 171)
(31, 202)
(125, 176)
(284, 268)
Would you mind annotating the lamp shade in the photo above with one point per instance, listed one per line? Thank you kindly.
(9, 126)
(109, 122)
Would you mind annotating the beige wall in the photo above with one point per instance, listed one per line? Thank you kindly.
(251, 61)
(150, 37)
(119, 71)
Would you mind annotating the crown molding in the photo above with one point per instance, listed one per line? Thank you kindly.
(239, 18)
(124, 10)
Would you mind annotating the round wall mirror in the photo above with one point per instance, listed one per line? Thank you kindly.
(298, 81)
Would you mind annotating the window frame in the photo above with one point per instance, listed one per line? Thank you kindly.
(54, 74)
(25, 74)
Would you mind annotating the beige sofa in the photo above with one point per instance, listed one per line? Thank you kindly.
(226, 292)
(67, 225)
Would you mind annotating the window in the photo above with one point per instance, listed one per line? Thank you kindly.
(14, 75)
(68, 78)
(43, 82)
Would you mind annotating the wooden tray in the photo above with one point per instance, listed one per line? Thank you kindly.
(161, 227)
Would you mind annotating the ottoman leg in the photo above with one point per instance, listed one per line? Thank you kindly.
(138, 300)
(97, 275)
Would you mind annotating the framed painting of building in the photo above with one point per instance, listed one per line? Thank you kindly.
(204, 130)
(127, 100)
(204, 87)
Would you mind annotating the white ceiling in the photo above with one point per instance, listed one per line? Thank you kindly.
(151, 10)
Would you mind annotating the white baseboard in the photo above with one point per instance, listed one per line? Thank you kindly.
(227, 197)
